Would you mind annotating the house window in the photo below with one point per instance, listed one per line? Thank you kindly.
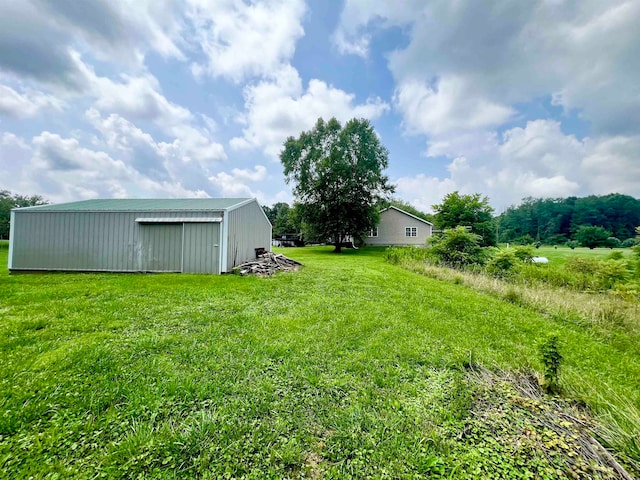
(411, 231)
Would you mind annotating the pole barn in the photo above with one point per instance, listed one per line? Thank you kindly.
(190, 235)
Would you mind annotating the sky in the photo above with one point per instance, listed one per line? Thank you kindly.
(194, 98)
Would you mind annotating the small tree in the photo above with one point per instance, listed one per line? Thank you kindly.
(338, 178)
(471, 211)
(457, 248)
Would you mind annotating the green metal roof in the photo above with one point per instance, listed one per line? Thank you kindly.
(140, 204)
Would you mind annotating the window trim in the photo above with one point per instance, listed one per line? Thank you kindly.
(373, 233)
(410, 232)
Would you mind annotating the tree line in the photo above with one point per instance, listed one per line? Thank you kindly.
(10, 200)
(561, 220)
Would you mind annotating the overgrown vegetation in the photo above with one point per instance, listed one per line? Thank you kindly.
(350, 367)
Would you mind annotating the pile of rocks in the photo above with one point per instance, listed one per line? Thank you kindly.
(267, 263)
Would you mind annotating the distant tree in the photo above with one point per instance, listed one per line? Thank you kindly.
(9, 201)
(551, 219)
(592, 237)
(338, 178)
(613, 242)
(471, 211)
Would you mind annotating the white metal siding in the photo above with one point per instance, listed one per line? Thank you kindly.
(248, 229)
(83, 241)
(201, 248)
(161, 247)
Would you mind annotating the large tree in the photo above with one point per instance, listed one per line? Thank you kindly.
(338, 178)
(9, 201)
(471, 211)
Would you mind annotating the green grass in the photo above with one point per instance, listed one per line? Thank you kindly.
(350, 367)
(561, 254)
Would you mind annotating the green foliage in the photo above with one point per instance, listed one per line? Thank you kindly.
(471, 211)
(338, 178)
(592, 237)
(572, 244)
(612, 242)
(502, 262)
(551, 361)
(628, 243)
(9, 201)
(524, 253)
(553, 221)
(457, 248)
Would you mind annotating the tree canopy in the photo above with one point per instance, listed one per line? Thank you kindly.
(8, 201)
(472, 211)
(557, 220)
(338, 177)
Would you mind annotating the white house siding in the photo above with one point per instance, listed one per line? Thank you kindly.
(248, 229)
(391, 229)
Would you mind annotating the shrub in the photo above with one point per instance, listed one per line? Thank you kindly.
(611, 272)
(628, 243)
(615, 255)
(524, 252)
(457, 248)
(572, 244)
(502, 262)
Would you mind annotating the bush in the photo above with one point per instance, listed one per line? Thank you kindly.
(615, 255)
(524, 252)
(502, 262)
(457, 248)
(628, 243)
(572, 244)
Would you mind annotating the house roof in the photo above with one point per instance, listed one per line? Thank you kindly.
(140, 204)
(407, 214)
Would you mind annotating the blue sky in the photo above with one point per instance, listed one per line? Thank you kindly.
(188, 98)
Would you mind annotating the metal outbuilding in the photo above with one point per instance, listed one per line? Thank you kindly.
(189, 235)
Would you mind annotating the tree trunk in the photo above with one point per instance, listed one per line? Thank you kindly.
(337, 244)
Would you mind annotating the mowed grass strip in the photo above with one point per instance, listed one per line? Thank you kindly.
(349, 367)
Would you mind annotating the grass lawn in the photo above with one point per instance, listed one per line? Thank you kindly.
(559, 255)
(351, 367)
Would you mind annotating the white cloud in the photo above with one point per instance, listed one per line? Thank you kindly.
(359, 17)
(238, 184)
(242, 39)
(450, 105)
(584, 55)
(26, 104)
(280, 108)
(423, 191)
(61, 169)
(538, 160)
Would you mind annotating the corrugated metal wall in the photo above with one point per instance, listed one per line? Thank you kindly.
(391, 230)
(201, 248)
(248, 229)
(107, 241)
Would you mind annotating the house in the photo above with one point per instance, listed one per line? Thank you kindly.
(189, 235)
(397, 227)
